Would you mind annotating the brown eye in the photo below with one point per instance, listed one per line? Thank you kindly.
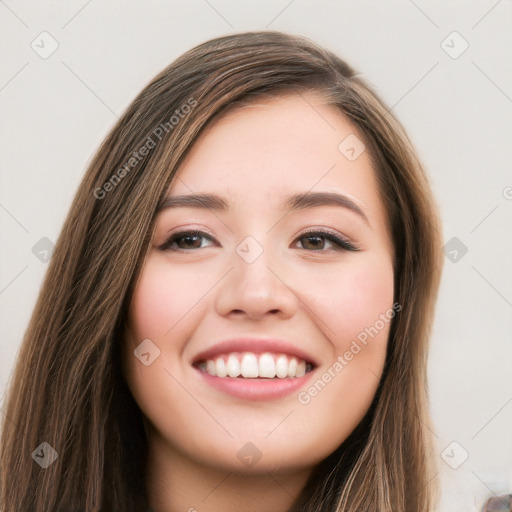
(315, 241)
(185, 241)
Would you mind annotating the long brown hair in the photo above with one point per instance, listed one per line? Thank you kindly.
(67, 388)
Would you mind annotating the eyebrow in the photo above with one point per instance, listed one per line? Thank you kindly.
(298, 201)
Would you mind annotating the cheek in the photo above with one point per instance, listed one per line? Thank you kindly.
(353, 299)
(165, 307)
(356, 310)
(161, 299)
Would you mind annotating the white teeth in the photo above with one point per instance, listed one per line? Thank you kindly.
(220, 367)
(282, 367)
(292, 367)
(233, 366)
(266, 366)
(250, 365)
(210, 367)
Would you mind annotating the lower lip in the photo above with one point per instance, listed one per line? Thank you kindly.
(256, 389)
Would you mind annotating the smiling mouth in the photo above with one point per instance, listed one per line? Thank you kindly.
(249, 365)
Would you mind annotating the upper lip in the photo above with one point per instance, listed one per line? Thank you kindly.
(255, 345)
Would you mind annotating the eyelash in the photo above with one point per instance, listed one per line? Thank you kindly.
(340, 243)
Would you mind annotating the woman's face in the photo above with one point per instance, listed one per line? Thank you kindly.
(257, 289)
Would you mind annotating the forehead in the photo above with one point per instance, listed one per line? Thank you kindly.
(277, 146)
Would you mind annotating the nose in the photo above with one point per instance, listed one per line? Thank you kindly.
(255, 289)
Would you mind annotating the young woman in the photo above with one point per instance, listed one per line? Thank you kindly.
(237, 312)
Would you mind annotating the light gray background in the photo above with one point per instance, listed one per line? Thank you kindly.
(458, 112)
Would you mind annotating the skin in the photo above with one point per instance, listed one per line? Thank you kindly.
(317, 297)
